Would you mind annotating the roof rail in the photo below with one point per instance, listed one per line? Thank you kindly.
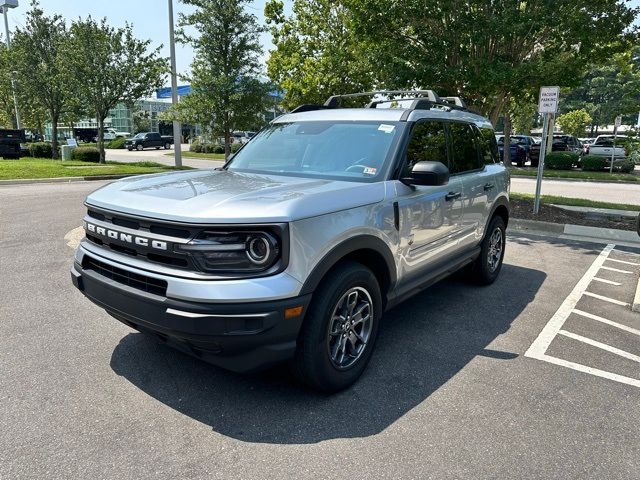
(334, 101)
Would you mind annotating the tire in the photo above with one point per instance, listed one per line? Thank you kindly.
(486, 268)
(167, 146)
(130, 148)
(139, 148)
(157, 148)
(319, 362)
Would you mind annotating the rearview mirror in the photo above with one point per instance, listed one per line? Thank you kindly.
(428, 173)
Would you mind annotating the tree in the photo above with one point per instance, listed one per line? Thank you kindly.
(483, 51)
(523, 112)
(37, 54)
(109, 65)
(574, 122)
(609, 89)
(7, 110)
(318, 53)
(227, 94)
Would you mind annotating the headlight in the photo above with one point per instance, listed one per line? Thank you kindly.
(235, 251)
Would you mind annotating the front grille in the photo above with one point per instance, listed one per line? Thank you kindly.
(145, 227)
(124, 277)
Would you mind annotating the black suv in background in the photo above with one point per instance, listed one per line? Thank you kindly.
(561, 143)
(10, 141)
(149, 140)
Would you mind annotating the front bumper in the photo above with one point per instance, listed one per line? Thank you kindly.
(242, 337)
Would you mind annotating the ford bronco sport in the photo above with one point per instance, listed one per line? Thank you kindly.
(293, 249)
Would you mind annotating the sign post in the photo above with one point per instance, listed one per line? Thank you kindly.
(617, 123)
(548, 106)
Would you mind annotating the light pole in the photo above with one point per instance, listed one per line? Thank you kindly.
(6, 5)
(177, 128)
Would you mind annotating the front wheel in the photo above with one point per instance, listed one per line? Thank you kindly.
(486, 268)
(139, 148)
(340, 329)
(130, 148)
(167, 146)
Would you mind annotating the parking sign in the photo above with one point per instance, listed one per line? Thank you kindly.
(548, 100)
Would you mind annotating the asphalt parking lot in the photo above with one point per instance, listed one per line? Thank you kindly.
(536, 376)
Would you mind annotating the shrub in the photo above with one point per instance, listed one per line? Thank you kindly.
(594, 163)
(218, 148)
(235, 147)
(86, 154)
(116, 143)
(195, 147)
(40, 150)
(561, 160)
(625, 166)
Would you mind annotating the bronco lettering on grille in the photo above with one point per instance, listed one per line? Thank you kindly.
(125, 237)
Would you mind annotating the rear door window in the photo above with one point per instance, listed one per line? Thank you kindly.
(464, 149)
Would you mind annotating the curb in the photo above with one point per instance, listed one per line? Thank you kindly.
(583, 232)
(561, 179)
(28, 181)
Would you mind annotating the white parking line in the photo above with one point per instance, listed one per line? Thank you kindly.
(604, 280)
(600, 345)
(539, 347)
(622, 261)
(611, 269)
(606, 299)
(608, 322)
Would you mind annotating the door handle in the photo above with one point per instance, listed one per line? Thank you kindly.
(452, 196)
(488, 186)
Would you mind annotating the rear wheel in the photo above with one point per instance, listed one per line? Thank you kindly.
(157, 148)
(167, 146)
(486, 268)
(340, 329)
(139, 148)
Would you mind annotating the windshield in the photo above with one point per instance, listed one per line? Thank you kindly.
(353, 151)
(140, 135)
(513, 141)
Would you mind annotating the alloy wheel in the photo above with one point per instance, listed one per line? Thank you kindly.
(494, 254)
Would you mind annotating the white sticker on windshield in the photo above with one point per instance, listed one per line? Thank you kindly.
(386, 128)
(370, 171)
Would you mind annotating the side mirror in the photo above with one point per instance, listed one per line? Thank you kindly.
(428, 173)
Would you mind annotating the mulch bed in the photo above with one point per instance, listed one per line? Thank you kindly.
(523, 209)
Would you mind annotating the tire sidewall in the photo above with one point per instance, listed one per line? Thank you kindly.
(327, 376)
(487, 276)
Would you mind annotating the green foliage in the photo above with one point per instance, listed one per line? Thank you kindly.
(195, 146)
(574, 122)
(594, 163)
(207, 147)
(523, 111)
(484, 51)
(608, 88)
(116, 143)
(7, 112)
(234, 147)
(40, 150)
(108, 65)
(318, 52)
(625, 166)
(86, 154)
(227, 94)
(561, 160)
(38, 57)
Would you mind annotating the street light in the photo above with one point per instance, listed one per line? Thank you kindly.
(5, 5)
(177, 128)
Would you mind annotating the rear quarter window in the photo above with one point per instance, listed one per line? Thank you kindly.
(488, 146)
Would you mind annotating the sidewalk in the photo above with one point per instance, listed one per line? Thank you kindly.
(597, 191)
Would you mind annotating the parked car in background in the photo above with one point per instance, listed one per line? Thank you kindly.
(242, 136)
(561, 143)
(149, 140)
(520, 148)
(603, 146)
(10, 141)
(112, 134)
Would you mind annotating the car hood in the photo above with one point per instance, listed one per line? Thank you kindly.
(210, 196)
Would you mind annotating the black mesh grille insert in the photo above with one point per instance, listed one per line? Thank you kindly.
(124, 277)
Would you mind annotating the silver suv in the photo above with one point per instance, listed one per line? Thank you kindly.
(295, 248)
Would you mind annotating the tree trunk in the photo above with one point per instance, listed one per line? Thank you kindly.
(54, 134)
(227, 144)
(507, 141)
(100, 119)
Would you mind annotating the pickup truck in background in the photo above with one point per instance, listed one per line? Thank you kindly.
(149, 140)
(603, 146)
(10, 141)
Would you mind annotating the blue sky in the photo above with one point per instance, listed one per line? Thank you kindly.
(148, 17)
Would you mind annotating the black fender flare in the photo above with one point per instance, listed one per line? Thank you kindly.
(344, 249)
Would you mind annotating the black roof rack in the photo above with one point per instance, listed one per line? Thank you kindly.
(420, 100)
